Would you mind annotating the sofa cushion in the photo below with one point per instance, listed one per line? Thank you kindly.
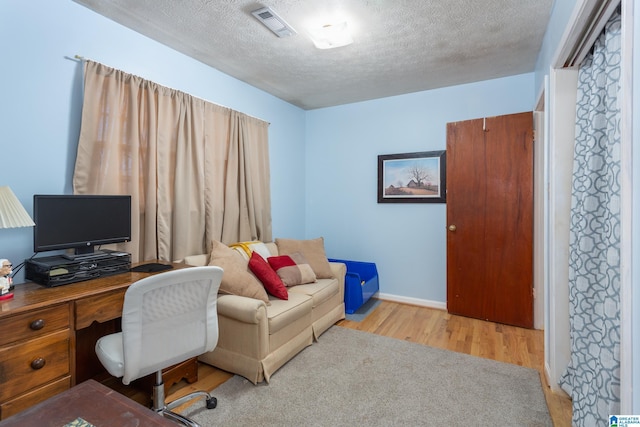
(237, 279)
(292, 269)
(320, 291)
(282, 313)
(269, 278)
(313, 251)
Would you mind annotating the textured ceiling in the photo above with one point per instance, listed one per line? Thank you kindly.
(400, 46)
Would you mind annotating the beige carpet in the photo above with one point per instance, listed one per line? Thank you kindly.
(353, 378)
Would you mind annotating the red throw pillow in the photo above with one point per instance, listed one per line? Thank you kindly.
(277, 262)
(271, 281)
(292, 269)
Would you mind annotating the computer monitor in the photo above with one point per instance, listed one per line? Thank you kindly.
(80, 222)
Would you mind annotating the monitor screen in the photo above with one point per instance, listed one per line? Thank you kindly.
(80, 222)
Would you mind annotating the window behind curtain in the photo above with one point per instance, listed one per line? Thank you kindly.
(196, 171)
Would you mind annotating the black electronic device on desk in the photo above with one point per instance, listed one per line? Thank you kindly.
(80, 222)
(59, 270)
(151, 267)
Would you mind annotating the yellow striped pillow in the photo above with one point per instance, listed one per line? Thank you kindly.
(247, 248)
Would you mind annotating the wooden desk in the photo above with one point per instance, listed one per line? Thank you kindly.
(48, 336)
(93, 403)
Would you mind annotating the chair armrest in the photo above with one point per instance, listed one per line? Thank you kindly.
(243, 309)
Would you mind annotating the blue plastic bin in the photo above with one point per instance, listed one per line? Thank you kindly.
(360, 283)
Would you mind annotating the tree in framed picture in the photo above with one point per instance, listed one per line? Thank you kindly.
(412, 177)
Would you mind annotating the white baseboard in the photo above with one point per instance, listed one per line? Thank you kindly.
(547, 374)
(553, 385)
(413, 301)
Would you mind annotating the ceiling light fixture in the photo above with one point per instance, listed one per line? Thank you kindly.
(331, 35)
(273, 22)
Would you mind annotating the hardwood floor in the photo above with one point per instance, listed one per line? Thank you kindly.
(431, 327)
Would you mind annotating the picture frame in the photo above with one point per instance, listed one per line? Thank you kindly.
(412, 177)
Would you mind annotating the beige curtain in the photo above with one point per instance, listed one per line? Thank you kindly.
(196, 171)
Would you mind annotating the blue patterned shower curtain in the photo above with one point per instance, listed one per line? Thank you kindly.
(592, 378)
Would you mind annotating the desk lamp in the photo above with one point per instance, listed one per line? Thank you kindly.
(12, 215)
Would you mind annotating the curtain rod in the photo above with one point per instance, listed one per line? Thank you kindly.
(82, 58)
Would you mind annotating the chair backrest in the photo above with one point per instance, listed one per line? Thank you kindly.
(168, 318)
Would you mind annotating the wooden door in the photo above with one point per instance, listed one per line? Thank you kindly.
(490, 219)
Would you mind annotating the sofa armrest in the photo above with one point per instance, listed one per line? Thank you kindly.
(339, 270)
(197, 260)
(243, 327)
(243, 309)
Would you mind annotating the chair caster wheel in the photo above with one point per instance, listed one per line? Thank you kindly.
(212, 403)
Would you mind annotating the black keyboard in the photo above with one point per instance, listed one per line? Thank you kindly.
(151, 267)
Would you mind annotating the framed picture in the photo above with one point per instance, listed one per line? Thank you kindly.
(412, 177)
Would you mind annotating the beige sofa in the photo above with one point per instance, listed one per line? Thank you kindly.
(257, 338)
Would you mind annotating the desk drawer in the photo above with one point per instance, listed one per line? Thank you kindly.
(33, 363)
(34, 324)
(99, 308)
(27, 400)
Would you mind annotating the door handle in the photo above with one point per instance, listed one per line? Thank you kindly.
(452, 227)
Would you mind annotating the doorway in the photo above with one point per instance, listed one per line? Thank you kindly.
(490, 219)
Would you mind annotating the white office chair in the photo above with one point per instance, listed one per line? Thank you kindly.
(166, 319)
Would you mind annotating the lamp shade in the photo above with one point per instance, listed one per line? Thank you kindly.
(12, 213)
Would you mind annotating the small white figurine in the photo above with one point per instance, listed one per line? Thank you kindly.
(5, 279)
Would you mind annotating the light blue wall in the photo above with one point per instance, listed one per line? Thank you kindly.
(406, 241)
(41, 105)
(558, 23)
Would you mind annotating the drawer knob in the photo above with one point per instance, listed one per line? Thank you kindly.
(38, 363)
(36, 325)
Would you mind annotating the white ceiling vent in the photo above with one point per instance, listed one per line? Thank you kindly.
(273, 22)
